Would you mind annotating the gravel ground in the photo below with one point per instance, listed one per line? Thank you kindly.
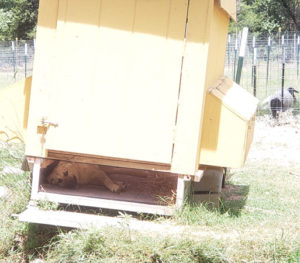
(277, 142)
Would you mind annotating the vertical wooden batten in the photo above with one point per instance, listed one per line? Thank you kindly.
(193, 86)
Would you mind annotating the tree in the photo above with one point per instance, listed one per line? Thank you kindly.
(18, 18)
(292, 10)
(267, 16)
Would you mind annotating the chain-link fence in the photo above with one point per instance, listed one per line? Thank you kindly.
(16, 60)
(270, 63)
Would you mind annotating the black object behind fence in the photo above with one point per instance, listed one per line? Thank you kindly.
(271, 63)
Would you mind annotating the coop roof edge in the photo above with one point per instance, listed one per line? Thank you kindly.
(234, 97)
(229, 6)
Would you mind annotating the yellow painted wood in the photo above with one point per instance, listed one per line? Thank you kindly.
(228, 125)
(43, 72)
(230, 7)
(14, 107)
(115, 78)
(235, 97)
(217, 47)
(195, 80)
(110, 74)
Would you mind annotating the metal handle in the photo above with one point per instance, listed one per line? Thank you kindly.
(46, 123)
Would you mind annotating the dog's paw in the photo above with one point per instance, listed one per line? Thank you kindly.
(118, 187)
(122, 185)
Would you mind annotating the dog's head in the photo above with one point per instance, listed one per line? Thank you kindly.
(63, 175)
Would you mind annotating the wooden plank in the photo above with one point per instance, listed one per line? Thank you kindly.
(193, 87)
(109, 161)
(183, 191)
(75, 49)
(124, 100)
(221, 124)
(14, 107)
(219, 118)
(237, 99)
(35, 178)
(87, 221)
(217, 47)
(230, 7)
(105, 203)
(43, 70)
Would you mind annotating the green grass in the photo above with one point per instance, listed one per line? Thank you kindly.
(114, 245)
(258, 221)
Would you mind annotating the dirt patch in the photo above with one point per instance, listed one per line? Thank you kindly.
(277, 141)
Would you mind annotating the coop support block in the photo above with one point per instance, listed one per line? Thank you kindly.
(183, 190)
(35, 178)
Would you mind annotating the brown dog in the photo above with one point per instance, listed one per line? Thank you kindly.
(70, 175)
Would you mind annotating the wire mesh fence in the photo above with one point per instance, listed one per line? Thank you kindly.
(270, 64)
(16, 61)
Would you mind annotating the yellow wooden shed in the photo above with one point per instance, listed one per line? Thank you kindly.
(122, 84)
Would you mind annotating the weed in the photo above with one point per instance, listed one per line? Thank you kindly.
(47, 205)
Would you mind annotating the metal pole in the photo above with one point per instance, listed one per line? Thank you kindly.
(283, 73)
(253, 47)
(254, 71)
(228, 49)
(235, 55)
(13, 57)
(241, 55)
(25, 59)
(298, 49)
(268, 62)
(295, 45)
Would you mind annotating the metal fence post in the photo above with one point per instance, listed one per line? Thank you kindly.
(241, 55)
(253, 48)
(25, 59)
(254, 71)
(13, 48)
(297, 57)
(235, 55)
(268, 62)
(283, 72)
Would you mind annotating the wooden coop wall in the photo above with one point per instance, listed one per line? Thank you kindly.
(228, 124)
(110, 73)
(116, 77)
(14, 108)
(230, 7)
(227, 140)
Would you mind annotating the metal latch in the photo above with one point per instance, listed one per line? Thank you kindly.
(44, 125)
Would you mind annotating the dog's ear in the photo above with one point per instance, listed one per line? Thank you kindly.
(45, 172)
